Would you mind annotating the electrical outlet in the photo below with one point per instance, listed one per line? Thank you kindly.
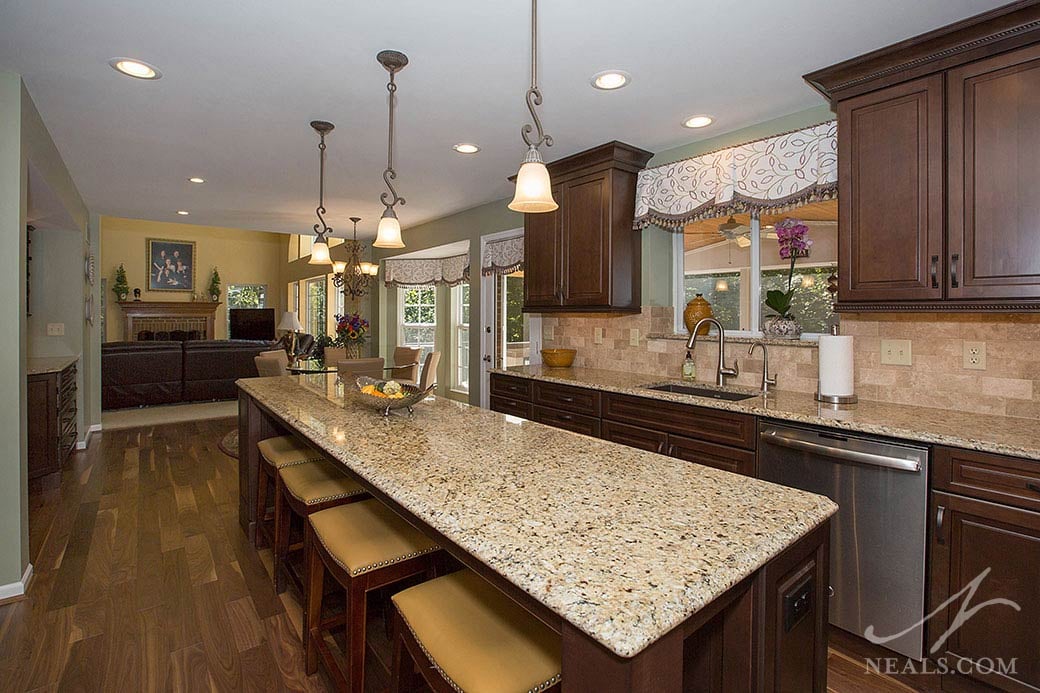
(597, 335)
(896, 352)
(633, 336)
(975, 356)
(548, 333)
(55, 329)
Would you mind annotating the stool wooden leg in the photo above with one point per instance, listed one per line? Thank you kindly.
(312, 608)
(356, 646)
(401, 668)
(282, 524)
(262, 486)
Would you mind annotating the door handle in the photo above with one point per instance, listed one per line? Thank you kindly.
(487, 358)
(953, 270)
(940, 518)
(1033, 487)
(935, 271)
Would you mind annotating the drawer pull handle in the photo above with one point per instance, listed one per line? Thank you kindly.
(565, 417)
(940, 517)
(567, 399)
(1035, 488)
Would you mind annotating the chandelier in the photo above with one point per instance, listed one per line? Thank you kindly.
(353, 275)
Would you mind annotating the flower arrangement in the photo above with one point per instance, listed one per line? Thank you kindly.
(792, 235)
(351, 329)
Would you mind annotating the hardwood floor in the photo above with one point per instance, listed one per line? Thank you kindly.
(144, 581)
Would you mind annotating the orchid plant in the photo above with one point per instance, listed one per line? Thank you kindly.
(792, 235)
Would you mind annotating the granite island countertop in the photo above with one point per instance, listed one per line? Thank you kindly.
(41, 365)
(1007, 435)
(621, 543)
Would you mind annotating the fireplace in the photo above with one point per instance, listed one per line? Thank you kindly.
(176, 321)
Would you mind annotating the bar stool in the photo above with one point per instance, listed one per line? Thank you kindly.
(363, 546)
(465, 635)
(300, 491)
(275, 453)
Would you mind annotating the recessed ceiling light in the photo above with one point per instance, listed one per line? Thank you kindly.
(466, 148)
(698, 121)
(196, 179)
(135, 68)
(611, 79)
(182, 212)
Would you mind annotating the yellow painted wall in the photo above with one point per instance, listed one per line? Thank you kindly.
(241, 257)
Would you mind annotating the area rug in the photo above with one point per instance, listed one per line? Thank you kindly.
(229, 444)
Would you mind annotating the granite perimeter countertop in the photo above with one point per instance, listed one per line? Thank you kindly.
(42, 365)
(623, 544)
(1008, 435)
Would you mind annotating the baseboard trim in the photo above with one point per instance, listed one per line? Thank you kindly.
(91, 430)
(16, 590)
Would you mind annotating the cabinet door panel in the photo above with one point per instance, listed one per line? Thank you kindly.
(1002, 544)
(586, 241)
(890, 193)
(542, 260)
(994, 177)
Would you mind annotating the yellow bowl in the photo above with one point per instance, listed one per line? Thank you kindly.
(558, 358)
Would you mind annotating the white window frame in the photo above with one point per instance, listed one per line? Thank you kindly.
(458, 328)
(321, 280)
(401, 324)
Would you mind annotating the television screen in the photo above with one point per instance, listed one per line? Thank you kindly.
(251, 323)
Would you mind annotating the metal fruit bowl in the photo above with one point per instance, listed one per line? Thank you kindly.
(412, 395)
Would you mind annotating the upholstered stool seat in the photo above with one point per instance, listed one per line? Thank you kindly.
(364, 546)
(475, 637)
(317, 482)
(275, 453)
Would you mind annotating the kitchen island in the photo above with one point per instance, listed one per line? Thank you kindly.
(659, 574)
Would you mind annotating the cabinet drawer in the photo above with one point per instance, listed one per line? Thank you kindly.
(714, 425)
(513, 407)
(578, 423)
(635, 437)
(990, 477)
(516, 388)
(577, 399)
(712, 455)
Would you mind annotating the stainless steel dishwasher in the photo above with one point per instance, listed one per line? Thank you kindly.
(878, 537)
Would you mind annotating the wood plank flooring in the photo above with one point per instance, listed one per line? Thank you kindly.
(145, 582)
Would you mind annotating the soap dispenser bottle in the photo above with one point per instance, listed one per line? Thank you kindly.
(689, 367)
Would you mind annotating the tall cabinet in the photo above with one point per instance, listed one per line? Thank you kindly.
(585, 255)
(939, 176)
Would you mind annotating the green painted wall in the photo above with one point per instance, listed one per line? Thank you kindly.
(14, 534)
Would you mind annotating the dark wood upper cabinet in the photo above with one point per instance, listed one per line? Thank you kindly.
(938, 179)
(993, 119)
(585, 255)
(890, 193)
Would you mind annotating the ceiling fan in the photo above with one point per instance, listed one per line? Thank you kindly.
(733, 230)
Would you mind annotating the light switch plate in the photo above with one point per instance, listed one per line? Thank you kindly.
(55, 329)
(547, 333)
(633, 336)
(597, 335)
(896, 352)
(975, 356)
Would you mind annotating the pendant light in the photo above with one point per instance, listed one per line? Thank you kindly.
(533, 187)
(388, 233)
(320, 246)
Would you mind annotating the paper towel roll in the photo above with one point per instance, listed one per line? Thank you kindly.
(836, 365)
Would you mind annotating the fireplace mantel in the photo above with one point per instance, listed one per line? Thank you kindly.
(168, 316)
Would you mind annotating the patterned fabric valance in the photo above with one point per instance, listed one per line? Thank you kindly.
(767, 175)
(424, 272)
(503, 257)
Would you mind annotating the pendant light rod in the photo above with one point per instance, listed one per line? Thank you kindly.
(322, 230)
(534, 94)
(394, 62)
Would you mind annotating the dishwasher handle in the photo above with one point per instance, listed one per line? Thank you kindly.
(791, 439)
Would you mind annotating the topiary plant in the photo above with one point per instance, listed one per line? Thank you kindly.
(121, 288)
(214, 285)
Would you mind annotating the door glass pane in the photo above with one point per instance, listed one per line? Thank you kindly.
(316, 324)
(512, 333)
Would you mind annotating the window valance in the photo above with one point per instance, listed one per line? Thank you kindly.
(426, 271)
(503, 257)
(767, 175)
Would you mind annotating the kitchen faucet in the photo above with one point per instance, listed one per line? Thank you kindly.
(766, 380)
(720, 370)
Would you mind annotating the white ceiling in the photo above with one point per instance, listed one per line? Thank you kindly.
(243, 78)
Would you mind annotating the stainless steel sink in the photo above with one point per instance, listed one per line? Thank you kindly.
(701, 392)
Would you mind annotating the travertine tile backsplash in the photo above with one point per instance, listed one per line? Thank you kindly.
(1010, 384)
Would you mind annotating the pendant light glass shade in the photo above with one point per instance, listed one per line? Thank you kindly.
(388, 233)
(369, 268)
(320, 254)
(533, 189)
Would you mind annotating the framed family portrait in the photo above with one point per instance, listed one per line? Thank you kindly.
(171, 265)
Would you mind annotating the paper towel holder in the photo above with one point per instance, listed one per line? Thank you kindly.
(835, 399)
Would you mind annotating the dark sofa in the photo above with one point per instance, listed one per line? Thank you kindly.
(135, 374)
